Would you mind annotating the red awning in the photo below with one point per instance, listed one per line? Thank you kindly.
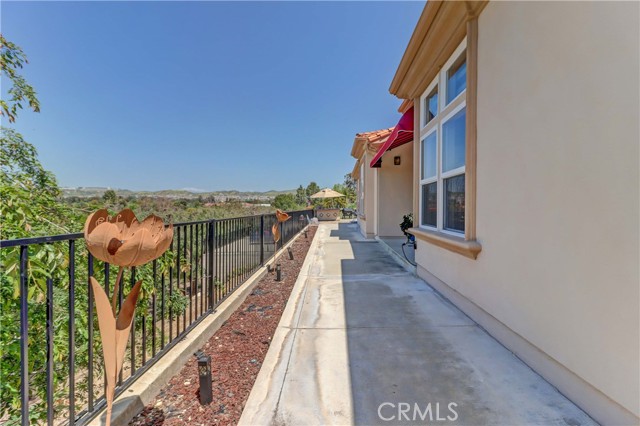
(402, 133)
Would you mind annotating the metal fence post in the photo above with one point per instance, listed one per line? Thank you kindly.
(261, 240)
(24, 336)
(210, 249)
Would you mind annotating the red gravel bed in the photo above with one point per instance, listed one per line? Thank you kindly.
(237, 351)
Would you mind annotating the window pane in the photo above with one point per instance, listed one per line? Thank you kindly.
(454, 203)
(431, 106)
(430, 204)
(453, 145)
(457, 78)
(429, 156)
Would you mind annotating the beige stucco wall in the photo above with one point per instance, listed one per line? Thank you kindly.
(395, 197)
(368, 222)
(557, 187)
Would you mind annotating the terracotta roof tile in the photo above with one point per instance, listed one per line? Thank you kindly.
(375, 135)
(369, 141)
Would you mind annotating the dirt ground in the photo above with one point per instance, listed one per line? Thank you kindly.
(237, 351)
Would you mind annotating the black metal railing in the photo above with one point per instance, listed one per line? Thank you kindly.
(50, 333)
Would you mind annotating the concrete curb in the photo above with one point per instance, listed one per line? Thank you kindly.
(274, 365)
(396, 256)
(147, 386)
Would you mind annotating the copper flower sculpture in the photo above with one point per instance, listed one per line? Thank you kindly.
(275, 231)
(282, 216)
(123, 241)
(275, 228)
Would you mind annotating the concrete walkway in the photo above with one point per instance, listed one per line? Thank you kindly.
(364, 342)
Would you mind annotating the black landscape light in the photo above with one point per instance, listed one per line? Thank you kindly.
(278, 273)
(290, 253)
(204, 373)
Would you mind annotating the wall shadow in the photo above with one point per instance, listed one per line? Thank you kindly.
(393, 356)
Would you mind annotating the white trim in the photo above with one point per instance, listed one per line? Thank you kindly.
(423, 98)
(445, 69)
(445, 112)
(362, 181)
(452, 173)
(443, 121)
(455, 110)
(452, 232)
(422, 179)
(420, 225)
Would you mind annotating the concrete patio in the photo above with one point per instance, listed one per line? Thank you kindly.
(363, 341)
(403, 252)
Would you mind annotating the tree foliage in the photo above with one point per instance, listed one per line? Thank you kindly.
(28, 192)
(349, 190)
(285, 202)
(312, 188)
(12, 59)
(30, 205)
(349, 182)
(110, 196)
(301, 196)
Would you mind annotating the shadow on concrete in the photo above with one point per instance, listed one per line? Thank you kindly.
(347, 231)
(394, 361)
(414, 358)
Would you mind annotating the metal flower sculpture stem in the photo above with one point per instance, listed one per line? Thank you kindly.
(275, 229)
(116, 289)
(123, 241)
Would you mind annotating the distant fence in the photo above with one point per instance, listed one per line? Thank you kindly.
(51, 367)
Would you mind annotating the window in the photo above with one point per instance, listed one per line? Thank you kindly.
(431, 106)
(443, 148)
(429, 150)
(453, 142)
(454, 203)
(430, 204)
(457, 78)
(361, 184)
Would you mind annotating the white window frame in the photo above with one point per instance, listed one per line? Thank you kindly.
(444, 113)
(361, 181)
(431, 179)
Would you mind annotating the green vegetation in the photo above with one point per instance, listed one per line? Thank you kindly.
(12, 59)
(28, 206)
(301, 200)
(32, 204)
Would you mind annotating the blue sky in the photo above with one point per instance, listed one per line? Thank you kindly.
(208, 95)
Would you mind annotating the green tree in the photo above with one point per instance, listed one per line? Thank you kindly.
(312, 188)
(28, 193)
(349, 182)
(12, 59)
(110, 196)
(349, 188)
(285, 202)
(28, 207)
(301, 196)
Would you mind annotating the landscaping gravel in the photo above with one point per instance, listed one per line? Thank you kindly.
(237, 350)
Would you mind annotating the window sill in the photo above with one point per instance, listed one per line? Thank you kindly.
(452, 243)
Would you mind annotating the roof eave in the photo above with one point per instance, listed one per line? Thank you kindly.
(440, 29)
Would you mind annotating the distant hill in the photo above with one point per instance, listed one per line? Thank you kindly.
(88, 192)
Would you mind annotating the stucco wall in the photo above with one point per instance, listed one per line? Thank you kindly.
(395, 197)
(557, 187)
(368, 222)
